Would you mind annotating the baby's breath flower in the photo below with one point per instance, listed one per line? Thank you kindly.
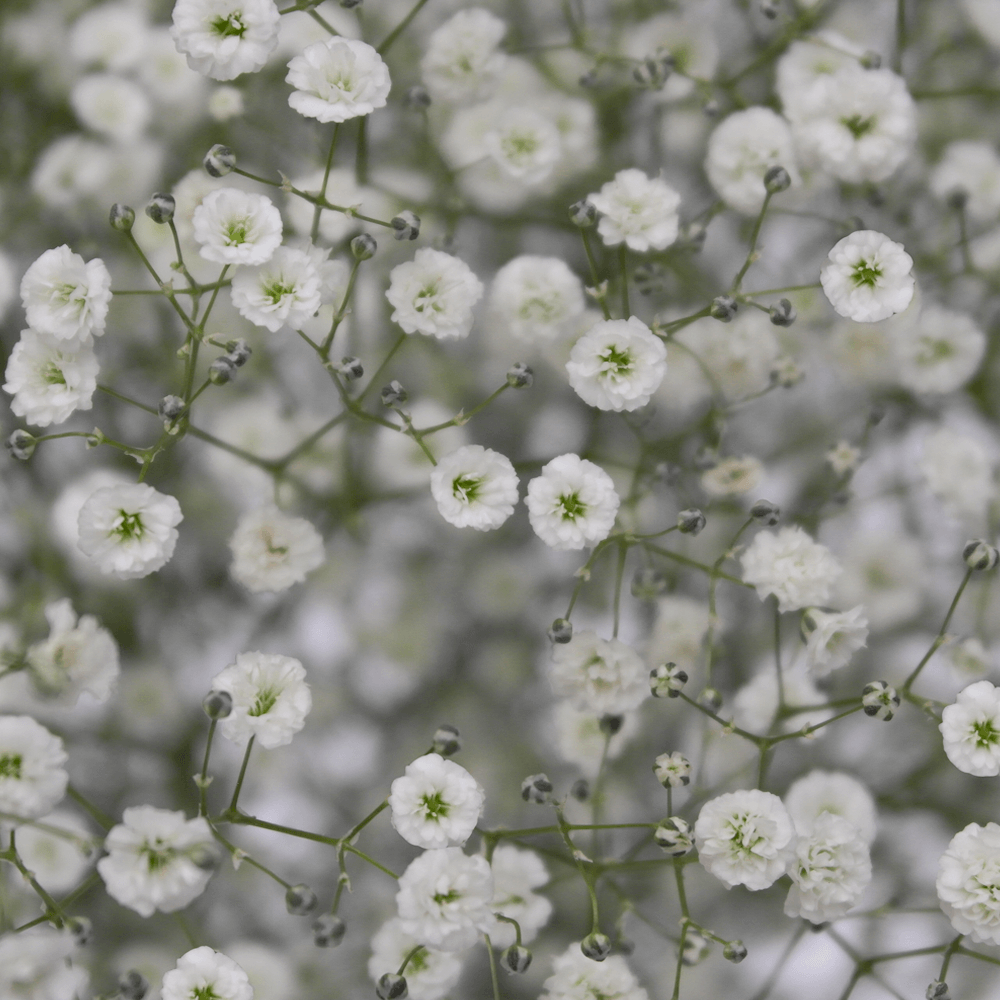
(284, 291)
(572, 504)
(223, 39)
(577, 977)
(206, 974)
(434, 294)
(833, 638)
(273, 551)
(32, 776)
(236, 227)
(430, 974)
(732, 476)
(971, 730)
(338, 79)
(475, 487)
(868, 277)
(790, 565)
(672, 770)
(599, 675)
(968, 874)
(461, 62)
(637, 210)
(66, 297)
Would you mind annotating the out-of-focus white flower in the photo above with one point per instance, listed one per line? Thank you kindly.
(434, 294)
(32, 777)
(338, 79)
(968, 874)
(617, 365)
(525, 144)
(843, 457)
(970, 657)
(156, 860)
(687, 37)
(475, 487)
(225, 102)
(70, 170)
(939, 351)
(129, 531)
(678, 631)
(868, 277)
(733, 476)
(742, 149)
(461, 62)
(167, 77)
(35, 965)
(283, 291)
(790, 565)
(832, 792)
(272, 551)
(270, 698)
(65, 296)
(637, 210)
(112, 35)
(516, 873)
(756, 704)
(809, 60)
(204, 972)
(445, 899)
(603, 676)
(971, 730)
(78, 656)
(50, 379)
(831, 869)
(225, 38)
(572, 504)
(745, 838)
(970, 170)
(236, 227)
(436, 803)
(832, 638)
(58, 861)
(959, 473)
(576, 977)
(577, 737)
(430, 975)
(536, 299)
(111, 105)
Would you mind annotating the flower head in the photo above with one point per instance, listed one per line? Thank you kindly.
(236, 227)
(524, 143)
(971, 730)
(434, 294)
(284, 291)
(790, 565)
(572, 504)
(338, 79)
(272, 551)
(430, 975)
(461, 62)
(832, 792)
(868, 277)
(939, 351)
(603, 676)
(32, 777)
(66, 297)
(475, 487)
(637, 210)
(206, 974)
(832, 638)
(36, 964)
(223, 39)
(535, 299)
(967, 881)
(516, 874)
(577, 977)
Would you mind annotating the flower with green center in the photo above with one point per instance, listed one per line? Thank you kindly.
(223, 39)
(970, 729)
(286, 290)
(32, 777)
(572, 503)
(428, 973)
(205, 974)
(66, 297)
(475, 487)
(339, 79)
(868, 277)
(525, 144)
(232, 226)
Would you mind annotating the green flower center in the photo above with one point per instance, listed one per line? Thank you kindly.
(516, 145)
(434, 806)
(157, 854)
(857, 125)
(52, 374)
(204, 993)
(986, 733)
(277, 290)
(451, 896)
(866, 273)
(572, 506)
(466, 488)
(236, 231)
(10, 766)
(616, 361)
(128, 526)
(229, 27)
(265, 701)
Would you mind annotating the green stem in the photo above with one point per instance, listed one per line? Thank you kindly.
(239, 780)
(102, 819)
(939, 638)
(752, 252)
(493, 967)
(623, 263)
(203, 784)
(390, 39)
(318, 210)
(602, 300)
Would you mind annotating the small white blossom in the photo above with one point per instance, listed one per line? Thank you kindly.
(516, 873)
(462, 62)
(832, 792)
(617, 365)
(284, 291)
(971, 730)
(434, 294)
(970, 170)
(156, 860)
(236, 227)
(807, 61)
(732, 476)
(225, 102)
(65, 296)
(430, 975)
(745, 838)
(71, 169)
(868, 277)
(536, 299)
(475, 487)
(204, 973)
(576, 977)
(273, 551)
(791, 566)
(672, 770)
(445, 899)
(637, 210)
(58, 861)
(572, 504)
(50, 379)
(525, 144)
(968, 875)
(32, 776)
(831, 869)
(603, 676)
(939, 351)
(111, 105)
(270, 698)
(833, 638)
(843, 457)
(129, 531)
(338, 79)
(109, 35)
(223, 39)
(959, 473)
(35, 965)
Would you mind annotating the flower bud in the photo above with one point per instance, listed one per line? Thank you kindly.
(782, 313)
(879, 700)
(217, 704)
(417, 97)
(21, 445)
(561, 630)
(446, 741)
(777, 180)
(133, 985)
(520, 376)
(667, 680)
(300, 899)
(121, 217)
(170, 408)
(610, 724)
(205, 856)
(938, 991)
(363, 247)
(690, 521)
(161, 208)
(648, 583)
(673, 835)
(723, 308)
(580, 790)
(238, 351)
(536, 788)
(596, 946)
(582, 214)
(672, 770)
(406, 225)
(219, 160)
(350, 367)
(980, 555)
(221, 370)
(871, 60)
(652, 73)
(734, 951)
(394, 393)
(765, 512)
(328, 930)
(769, 8)
(515, 959)
(391, 987)
(81, 928)
(711, 698)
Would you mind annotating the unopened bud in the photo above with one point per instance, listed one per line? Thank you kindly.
(561, 630)
(238, 351)
(81, 928)
(515, 959)
(610, 724)
(580, 790)
(520, 376)
(133, 985)
(391, 987)
(350, 367)
(776, 180)
(782, 313)
(765, 512)
(938, 991)
(363, 246)
(417, 97)
(300, 899)
(653, 72)
(406, 225)
(667, 680)
(446, 741)
(723, 308)
(161, 207)
(205, 856)
(582, 214)
(219, 160)
(672, 770)
(673, 836)
(217, 704)
(871, 60)
(21, 445)
(121, 217)
(394, 393)
(711, 698)
(690, 521)
(328, 930)
(734, 951)
(648, 583)
(596, 946)
(170, 408)
(879, 700)
(221, 370)
(769, 8)
(536, 788)
(980, 555)
(696, 948)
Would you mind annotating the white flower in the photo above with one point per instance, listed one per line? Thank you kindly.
(475, 487)
(225, 102)
(284, 291)
(270, 698)
(959, 473)
(65, 296)
(576, 977)
(831, 869)
(111, 105)
(536, 299)
(603, 676)
(617, 365)
(688, 37)
(968, 875)
(434, 294)
(50, 379)
(436, 803)
(110, 35)
(742, 149)
(225, 38)
(35, 965)
(515, 874)
(71, 169)
(843, 457)
(430, 975)
(445, 899)
(745, 838)
(58, 861)
(577, 737)
(790, 565)
(204, 973)
(32, 776)
(833, 638)
(832, 792)
(807, 61)
(572, 504)
(129, 531)
(672, 770)
(971, 170)
(732, 476)
(462, 62)
(637, 210)
(525, 144)
(971, 730)
(338, 79)
(272, 551)
(78, 656)
(939, 351)
(156, 860)
(970, 657)
(868, 277)
(236, 227)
